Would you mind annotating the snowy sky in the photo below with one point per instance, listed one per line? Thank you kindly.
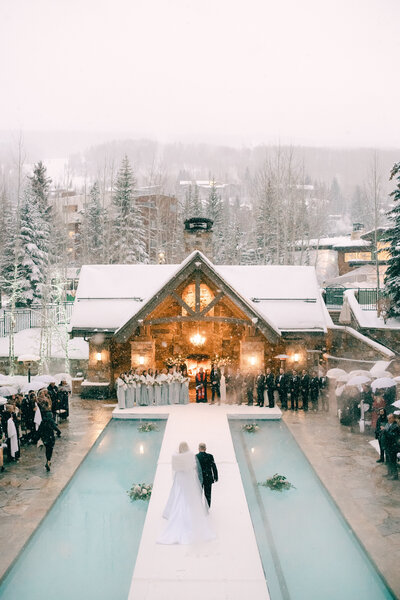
(233, 71)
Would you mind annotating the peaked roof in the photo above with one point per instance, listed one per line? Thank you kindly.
(283, 298)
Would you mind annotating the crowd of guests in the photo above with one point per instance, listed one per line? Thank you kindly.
(148, 387)
(32, 419)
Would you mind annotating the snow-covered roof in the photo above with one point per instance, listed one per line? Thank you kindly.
(367, 319)
(336, 243)
(286, 297)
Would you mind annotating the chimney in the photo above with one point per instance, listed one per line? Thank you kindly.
(358, 230)
(198, 236)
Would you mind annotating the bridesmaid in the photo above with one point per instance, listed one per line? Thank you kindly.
(184, 391)
(222, 386)
(164, 387)
(130, 392)
(150, 386)
(144, 389)
(170, 378)
(175, 387)
(157, 388)
(121, 388)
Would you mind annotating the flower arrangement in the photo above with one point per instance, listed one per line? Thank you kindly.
(140, 491)
(277, 483)
(145, 427)
(221, 361)
(177, 360)
(250, 427)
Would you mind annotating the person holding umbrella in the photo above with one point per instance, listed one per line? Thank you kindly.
(390, 437)
(379, 429)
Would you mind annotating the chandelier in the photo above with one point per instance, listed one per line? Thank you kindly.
(197, 339)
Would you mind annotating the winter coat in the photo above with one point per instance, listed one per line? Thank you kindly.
(47, 428)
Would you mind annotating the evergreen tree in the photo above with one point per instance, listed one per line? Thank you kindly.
(40, 188)
(128, 234)
(93, 226)
(392, 276)
(214, 212)
(9, 248)
(32, 259)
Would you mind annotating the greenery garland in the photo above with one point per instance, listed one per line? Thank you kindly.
(250, 427)
(140, 491)
(145, 427)
(277, 483)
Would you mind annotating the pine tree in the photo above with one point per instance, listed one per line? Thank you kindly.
(31, 257)
(392, 276)
(39, 189)
(128, 234)
(214, 212)
(93, 226)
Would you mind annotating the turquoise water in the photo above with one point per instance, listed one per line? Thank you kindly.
(307, 549)
(86, 546)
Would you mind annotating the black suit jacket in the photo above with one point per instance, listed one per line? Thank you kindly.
(208, 467)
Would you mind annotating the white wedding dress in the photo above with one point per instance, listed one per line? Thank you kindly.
(188, 519)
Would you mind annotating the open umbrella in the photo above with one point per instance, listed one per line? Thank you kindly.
(383, 374)
(8, 390)
(360, 372)
(335, 373)
(358, 380)
(3, 401)
(339, 390)
(396, 404)
(382, 383)
(33, 385)
(396, 379)
(343, 378)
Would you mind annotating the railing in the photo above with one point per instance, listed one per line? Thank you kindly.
(366, 297)
(26, 318)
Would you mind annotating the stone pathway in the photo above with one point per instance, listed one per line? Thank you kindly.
(27, 491)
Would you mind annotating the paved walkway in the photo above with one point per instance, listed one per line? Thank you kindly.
(229, 567)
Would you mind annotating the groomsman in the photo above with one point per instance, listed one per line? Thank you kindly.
(270, 387)
(294, 390)
(215, 379)
(260, 383)
(282, 387)
(249, 383)
(305, 388)
(314, 391)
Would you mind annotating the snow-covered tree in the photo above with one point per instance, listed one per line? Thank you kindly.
(214, 212)
(93, 226)
(31, 257)
(128, 233)
(392, 276)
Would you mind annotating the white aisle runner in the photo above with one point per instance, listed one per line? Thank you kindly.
(227, 568)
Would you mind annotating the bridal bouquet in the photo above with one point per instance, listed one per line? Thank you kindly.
(145, 427)
(140, 491)
(250, 427)
(177, 378)
(277, 483)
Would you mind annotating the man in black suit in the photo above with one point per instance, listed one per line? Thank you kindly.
(260, 382)
(294, 390)
(281, 385)
(215, 379)
(305, 388)
(207, 470)
(270, 387)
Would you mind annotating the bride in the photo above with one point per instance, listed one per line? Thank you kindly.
(188, 520)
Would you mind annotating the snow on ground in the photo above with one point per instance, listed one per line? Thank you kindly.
(27, 341)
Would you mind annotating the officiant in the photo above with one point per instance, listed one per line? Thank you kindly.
(201, 386)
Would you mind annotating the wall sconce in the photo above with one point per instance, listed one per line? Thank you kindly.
(296, 357)
(141, 360)
(252, 360)
(98, 356)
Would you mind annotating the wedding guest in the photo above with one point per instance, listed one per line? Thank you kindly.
(13, 445)
(27, 416)
(52, 390)
(379, 429)
(281, 385)
(150, 386)
(46, 433)
(305, 388)
(294, 390)
(184, 389)
(249, 382)
(64, 392)
(378, 403)
(157, 387)
(144, 389)
(314, 391)
(323, 384)
(390, 437)
(130, 393)
(164, 387)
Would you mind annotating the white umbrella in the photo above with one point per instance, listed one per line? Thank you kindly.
(360, 372)
(358, 380)
(339, 390)
(33, 385)
(3, 401)
(44, 378)
(382, 374)
(9, 390)
(382, 383)
(396, 404)
(343, 378)
(335, 373)
(396, 379)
